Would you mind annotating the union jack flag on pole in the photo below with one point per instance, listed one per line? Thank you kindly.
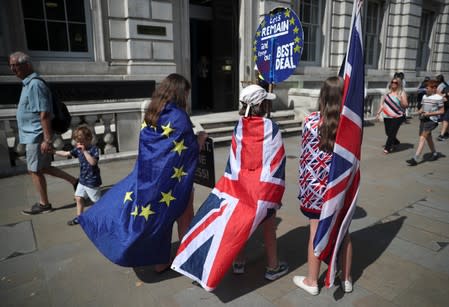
(253, 184)
(344, 174)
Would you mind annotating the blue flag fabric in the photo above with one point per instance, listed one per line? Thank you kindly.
(132, 223)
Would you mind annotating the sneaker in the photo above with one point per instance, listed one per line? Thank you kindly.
(412, 162)
(273, 274)
(346, 286)
(37, 208)
(299, 281)
(238, 268)
(433, 157)
(73, 222)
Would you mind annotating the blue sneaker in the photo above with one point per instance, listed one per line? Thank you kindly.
(273, 274)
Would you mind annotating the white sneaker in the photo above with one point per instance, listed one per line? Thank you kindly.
(299, 281)
(238, 268)
(346, 286)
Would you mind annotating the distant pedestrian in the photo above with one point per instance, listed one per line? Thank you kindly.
(89, 179)
(421, 91)
(443, 90)
(432, 107)
(34, 114)
(318, 139)
(401, 76)
(392, 107)
(442, 85)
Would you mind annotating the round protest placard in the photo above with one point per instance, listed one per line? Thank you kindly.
(278, 45)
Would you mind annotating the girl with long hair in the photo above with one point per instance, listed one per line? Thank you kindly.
(318, 138)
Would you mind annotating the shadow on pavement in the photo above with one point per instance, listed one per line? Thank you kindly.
(292, 248)
(402, 147)
(368, 245)
(147, 274)
(359, 213)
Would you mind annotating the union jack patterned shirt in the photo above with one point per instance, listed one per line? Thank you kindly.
(313, 167)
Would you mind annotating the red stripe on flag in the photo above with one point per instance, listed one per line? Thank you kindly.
(198, 230)
(349, 136)
(277, 159)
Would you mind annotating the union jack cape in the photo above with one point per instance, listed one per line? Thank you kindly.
(252, 186)
(344, 174)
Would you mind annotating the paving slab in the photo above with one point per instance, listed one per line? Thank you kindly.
(16, 239)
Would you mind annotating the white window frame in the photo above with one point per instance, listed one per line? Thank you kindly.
(67, 55)
(318, 40)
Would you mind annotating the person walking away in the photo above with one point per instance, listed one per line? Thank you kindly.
(431, 107)
(34, 113)
(392, 107)
(318, 138)
(89, 179)
(132, 222)
(255, 100)
(443, 90)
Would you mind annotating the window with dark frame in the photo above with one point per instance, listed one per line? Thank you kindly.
(55, 25)
(425, 30)
(372, 25)
(310, 15)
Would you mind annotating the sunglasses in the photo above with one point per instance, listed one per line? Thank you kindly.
(394, 82)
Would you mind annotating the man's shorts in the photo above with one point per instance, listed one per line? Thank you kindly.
(93, 194)
(36, 160)
(427, 125)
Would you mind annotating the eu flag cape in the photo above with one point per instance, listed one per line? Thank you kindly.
(132, 223)
(252, 186)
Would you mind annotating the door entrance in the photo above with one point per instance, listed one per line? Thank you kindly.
(214, 55)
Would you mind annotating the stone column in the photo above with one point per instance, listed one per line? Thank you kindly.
(402, 34)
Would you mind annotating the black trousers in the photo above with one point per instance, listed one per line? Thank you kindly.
(391, 130)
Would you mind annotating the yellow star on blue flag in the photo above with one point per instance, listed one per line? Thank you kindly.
(146, 212)
(179, 147)
(166, 198)
(167, 130)
(128, 196)
(178, 173)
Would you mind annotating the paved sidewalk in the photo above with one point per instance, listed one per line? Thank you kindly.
(400, 233)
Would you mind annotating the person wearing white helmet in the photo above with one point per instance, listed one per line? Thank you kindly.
(254, 100)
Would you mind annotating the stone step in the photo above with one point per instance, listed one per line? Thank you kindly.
(220, 126)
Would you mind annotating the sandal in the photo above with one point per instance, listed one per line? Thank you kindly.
(161, 268)
(73, 222)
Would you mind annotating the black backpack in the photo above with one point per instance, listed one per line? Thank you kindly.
(62, 118)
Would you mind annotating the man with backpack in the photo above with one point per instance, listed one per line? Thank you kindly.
(34, 114)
